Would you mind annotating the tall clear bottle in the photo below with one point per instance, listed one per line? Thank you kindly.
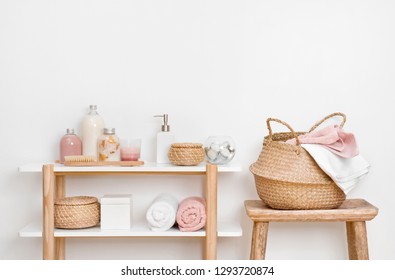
(92, 127)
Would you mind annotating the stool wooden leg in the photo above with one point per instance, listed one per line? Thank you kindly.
(259, 240)
(357, 241)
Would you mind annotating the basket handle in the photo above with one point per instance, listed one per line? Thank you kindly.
(328, 117)
(283, 123)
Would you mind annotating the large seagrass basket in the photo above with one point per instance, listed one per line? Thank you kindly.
(287, 177)
(77, 212)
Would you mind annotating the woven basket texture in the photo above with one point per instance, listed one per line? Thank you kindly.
(287, 177)
(187, 154)
(77, 212)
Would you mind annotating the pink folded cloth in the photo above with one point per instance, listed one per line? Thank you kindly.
(332, 138)
(191, 214)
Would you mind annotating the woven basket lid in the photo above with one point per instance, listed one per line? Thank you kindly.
(76, 200)
(187, 145)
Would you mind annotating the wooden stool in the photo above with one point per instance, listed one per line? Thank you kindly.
(353, 211)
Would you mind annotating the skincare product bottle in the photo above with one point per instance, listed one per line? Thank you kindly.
(70, 145)
(92, 128)
(109, 148)
(164, 139)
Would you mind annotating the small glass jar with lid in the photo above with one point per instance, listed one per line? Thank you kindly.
(109, 148)
(70, 145)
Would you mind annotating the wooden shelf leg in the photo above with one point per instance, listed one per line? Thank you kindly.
(259, 240)
(211, 212)
(60, 249)
(48, 212)
(60, 186)
(357, 241)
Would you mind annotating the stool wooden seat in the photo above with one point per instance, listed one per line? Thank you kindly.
(354, 212)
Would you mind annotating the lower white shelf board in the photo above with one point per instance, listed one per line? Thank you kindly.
(224, 230)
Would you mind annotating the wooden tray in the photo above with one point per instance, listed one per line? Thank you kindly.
(103, 163)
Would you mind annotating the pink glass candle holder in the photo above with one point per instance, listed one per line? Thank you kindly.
(130, 149)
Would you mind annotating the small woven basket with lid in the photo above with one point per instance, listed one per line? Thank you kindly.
(77, 212)
(186, 153)
(287, 177)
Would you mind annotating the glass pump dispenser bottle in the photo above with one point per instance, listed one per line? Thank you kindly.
(164, 139)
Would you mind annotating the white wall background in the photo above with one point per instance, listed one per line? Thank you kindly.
(216, 67)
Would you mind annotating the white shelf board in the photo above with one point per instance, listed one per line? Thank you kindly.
(224, 230)
(147, 167)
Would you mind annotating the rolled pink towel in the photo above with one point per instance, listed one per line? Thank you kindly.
(191, 214)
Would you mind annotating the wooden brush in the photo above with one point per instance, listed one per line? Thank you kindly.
(92, 161)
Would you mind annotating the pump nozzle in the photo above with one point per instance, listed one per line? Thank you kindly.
(165, 126)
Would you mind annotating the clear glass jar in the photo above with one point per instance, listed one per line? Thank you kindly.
(108, 145)
(219, 149)
(70, 145)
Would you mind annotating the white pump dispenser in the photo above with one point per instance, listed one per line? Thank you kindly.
(164, 140)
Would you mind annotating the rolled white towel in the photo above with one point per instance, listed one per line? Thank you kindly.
(161, 214)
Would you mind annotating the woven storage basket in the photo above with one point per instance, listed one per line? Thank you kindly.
(77, 212)
(186, 153)
(287, 177)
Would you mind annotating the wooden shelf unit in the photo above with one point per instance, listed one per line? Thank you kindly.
(54, 186)
(140, 230)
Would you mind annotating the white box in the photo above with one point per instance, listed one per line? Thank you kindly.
(116, 211)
